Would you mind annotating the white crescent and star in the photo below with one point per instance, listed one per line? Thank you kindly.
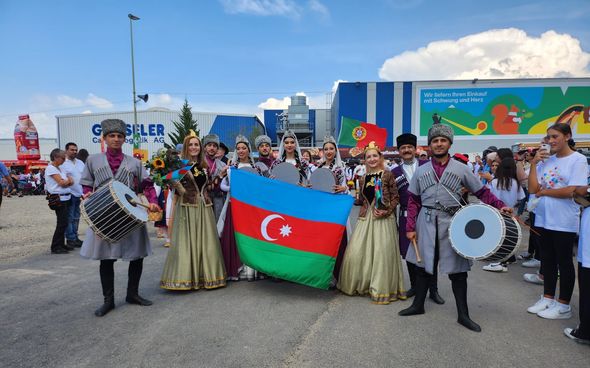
(285, 229)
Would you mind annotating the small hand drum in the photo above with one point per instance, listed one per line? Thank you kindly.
(480, 232)
(286, 172)
(249, 169)
(323, 179)
(111, 212)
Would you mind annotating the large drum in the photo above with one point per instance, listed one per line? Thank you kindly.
(112, 213)
(481, 233)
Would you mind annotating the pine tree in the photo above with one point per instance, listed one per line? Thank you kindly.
(183, 126)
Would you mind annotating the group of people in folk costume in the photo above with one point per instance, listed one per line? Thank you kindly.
(204, 254)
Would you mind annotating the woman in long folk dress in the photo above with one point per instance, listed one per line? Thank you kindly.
(372, 263)
(242, 158)
(333, 162)
(194, 260)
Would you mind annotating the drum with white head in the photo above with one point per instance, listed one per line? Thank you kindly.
(112, 213)
(480, 232)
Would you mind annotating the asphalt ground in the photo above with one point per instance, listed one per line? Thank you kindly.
(47, 320)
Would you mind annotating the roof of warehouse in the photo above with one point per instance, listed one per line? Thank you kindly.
(155, 109)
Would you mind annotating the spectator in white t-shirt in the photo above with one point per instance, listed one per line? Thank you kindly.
(553, 179)
(58, 185)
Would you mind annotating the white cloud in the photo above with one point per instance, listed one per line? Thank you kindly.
(317, 7)
(499, 53)
(67, 101)
(314, 102)
(99, 102)
(162, 100)
(272, 103)
(336, 83)
(284, 8)
(86, 112)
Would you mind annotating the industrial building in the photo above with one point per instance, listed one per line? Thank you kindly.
(482, 113)
(154, 127)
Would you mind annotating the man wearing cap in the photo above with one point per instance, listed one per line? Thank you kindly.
(406, 146)
(434, 197)
(263, 145)
(217, 170)
(101, 168)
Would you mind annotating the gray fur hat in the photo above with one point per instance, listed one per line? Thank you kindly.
(262, 139)
(211, 138)
(440, 130)
(113, 126)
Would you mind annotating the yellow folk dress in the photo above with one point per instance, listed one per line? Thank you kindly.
(372, 262)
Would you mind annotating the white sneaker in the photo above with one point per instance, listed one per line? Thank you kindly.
(533, 278)
(541, 305)
(495, 267)
(524, 255)
(531, 263)
(556, 311)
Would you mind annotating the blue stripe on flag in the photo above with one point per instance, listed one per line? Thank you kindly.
(289, 199)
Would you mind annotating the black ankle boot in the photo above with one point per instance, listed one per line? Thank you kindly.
(459, 285)
(134, 273)
(435, 296)
(136, 299)
(421, 288)
(107, 281)
(109, 305)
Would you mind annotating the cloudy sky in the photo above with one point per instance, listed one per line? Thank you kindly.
(239, 56)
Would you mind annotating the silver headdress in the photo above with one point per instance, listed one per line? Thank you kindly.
(337, 159)
(241, 139)
(289, 134)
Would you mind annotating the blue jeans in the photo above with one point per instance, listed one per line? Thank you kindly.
(73, 218)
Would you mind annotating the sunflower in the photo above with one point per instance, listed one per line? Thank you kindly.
(158, 163)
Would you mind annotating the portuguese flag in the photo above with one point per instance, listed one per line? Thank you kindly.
(356, 133)
(287, 231)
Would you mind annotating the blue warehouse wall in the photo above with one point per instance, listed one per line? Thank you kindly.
(384, 109)
(227, 127)
(352, 103)
(351, 100)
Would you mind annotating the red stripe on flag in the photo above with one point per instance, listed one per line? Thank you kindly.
(296, 233)
(374, 133)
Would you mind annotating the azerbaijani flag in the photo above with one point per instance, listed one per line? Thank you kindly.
(355, 133)
(287, 231)
(178, 174)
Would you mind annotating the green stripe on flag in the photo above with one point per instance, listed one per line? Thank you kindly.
(306, 268)
(345, 138)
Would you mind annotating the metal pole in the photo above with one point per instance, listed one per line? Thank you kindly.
(135, 126)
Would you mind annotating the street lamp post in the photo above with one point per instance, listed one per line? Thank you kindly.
(135, 127)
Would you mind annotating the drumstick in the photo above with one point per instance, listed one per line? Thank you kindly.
(134, 202)
(418, 258)
(526, 226)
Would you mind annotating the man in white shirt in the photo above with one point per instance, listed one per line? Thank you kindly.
(74, 168)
